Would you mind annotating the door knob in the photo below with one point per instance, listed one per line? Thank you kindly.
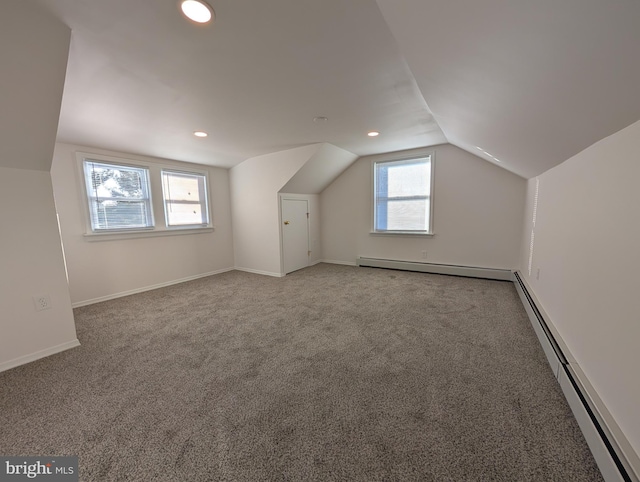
(286, 222)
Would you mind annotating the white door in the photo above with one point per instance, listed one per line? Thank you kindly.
(295, 234)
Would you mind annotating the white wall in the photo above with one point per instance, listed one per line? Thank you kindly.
(107, 268)
(477, 214)
(31, 265)
(315, 233)
(586, 246)
(33, 57)
(255, 184)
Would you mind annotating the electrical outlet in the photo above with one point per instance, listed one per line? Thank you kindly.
(42, 302)
(423, 254)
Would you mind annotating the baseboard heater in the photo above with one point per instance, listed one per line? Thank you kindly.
(611, 461)
(468, 271)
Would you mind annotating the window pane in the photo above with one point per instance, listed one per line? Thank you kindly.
(120, 215)
(185, 198)
(408, 180)
(407, 215)
(180, 214)
(118, 196)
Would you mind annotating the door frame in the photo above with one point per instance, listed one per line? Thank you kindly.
(293, 197)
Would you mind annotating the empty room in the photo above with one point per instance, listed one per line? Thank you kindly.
(372, 240)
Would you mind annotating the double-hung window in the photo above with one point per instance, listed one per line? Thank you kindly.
(119, 196)
(185, 198)
(128, 198)
(403, 196)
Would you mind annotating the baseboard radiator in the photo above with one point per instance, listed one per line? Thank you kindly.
(468, 271)
(610, 459)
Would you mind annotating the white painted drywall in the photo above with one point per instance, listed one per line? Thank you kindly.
(255, 184)
(315, 233)
(103, 269)
(31, 264)
(586, 247)
(33, 56)
(477, 214)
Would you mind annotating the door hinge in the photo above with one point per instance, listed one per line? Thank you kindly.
(307, 215)
(308, 253)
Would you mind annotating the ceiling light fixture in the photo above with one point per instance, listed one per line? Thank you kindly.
(373, 134)
(197, 10)
(320, 119)
(200, 134)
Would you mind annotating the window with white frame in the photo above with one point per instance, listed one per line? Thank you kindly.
(185, 198)
(119, 196)
(128, 198)
(403, 196)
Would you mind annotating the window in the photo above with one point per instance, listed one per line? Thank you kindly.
(119, 196)
(134, 198)
(185, 200)
(402, 196)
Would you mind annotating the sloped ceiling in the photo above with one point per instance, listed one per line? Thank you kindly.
(34, 47)
(322, 168)
(530, 83)
(142, 78)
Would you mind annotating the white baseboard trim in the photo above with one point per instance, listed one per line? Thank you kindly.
(257, 271)
(334, 261)
(23, 360)
(147, 288)
(468, 271)
(612, 451)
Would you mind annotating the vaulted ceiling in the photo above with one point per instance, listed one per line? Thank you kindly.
(529, 83)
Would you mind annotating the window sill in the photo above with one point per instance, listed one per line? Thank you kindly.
(401, 233)
(117, 235)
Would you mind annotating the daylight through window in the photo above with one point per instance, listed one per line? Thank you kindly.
(185, 198)
(402, 196)
(119, 197)
(128, 199)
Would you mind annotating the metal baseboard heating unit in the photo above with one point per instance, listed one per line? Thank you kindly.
(610, 459)
(468, 271)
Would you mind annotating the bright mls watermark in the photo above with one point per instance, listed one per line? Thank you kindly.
(53, 469)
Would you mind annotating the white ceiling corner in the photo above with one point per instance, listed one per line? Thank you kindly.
(531, 83)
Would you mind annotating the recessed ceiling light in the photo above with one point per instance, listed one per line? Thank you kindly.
(320, 119)
(373, 134)
(200, 134)
(197, 10)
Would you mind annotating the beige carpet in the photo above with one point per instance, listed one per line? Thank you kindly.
(331, 373)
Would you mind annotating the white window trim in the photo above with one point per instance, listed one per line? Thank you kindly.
(372, 183)
(157, 199)
(200, 202)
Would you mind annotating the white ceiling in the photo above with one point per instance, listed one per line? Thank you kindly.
(141, 79)
(532, 83)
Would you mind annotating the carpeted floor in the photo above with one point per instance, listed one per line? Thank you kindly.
(330, 373)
